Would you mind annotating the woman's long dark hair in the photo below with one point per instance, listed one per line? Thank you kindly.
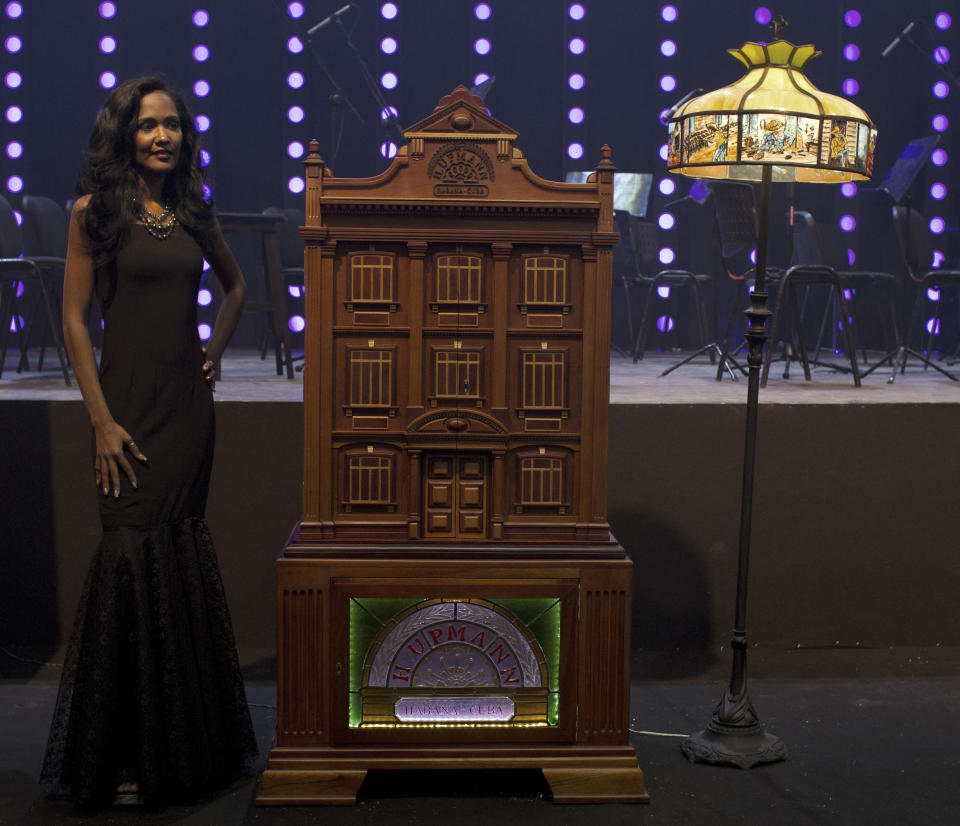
(109, 174)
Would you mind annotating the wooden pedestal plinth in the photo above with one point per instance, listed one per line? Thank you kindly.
(570, 719)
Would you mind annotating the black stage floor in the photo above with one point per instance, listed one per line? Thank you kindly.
(877, 751)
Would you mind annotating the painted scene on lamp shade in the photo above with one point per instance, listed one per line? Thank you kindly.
(711, 138)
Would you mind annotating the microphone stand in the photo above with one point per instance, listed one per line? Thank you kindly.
(954, 79)
(390, 121)
(336, 98)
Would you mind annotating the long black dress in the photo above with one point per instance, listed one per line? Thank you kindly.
(151, 690)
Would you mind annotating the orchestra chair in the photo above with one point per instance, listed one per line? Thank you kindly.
(291, 254)
(644, 252)
(44, 273)
(809, 271)
(917, 248)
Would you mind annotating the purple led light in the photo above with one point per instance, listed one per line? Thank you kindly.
(389, 112)
(938, 191)
(666, 255)
(939, 157)
(576, 81)
(205, 157)
(938, 259)
(668, 48)
(388, 149)
(482, 77)
(296, 114)
(294, 290)
(202, 122)
(16, 323)
(667, 186)
(14, 183)
(851, 86)
(669, 13)
(577, 11)
(848, 223)
(851, 257)
(848, 295)
(851, 52)
(14, 150)
(204, 297)
(481, 45)
(204, 331)
(668, 83)
(852, 18)
(664, 324)
(295, 149)
(937, 225)
(200, 18)
(296, 324)
(663, 292)
(762, 15)
(296, 9)
(389, 80)
(941, 89)
(666, 220)
(13, 44)
(577, 45)
(933, 293)
(664, 152)
(940, 123)
(19, 284)
(296, 185)
(12, 80)
(388, 11)
(942, 21)
(108, 44)
(294, 45)
(848, 190)
(107, 80)
(295, 80)
(388, 45)
(575, 151)
(482, 11)
(933, 326)
(201, 88)
(107, 9)
(14, 10)
(201, 53)
(753, 260)
(207, 192)
(941, 55)
(576, 115)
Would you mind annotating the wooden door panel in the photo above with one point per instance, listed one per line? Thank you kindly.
(455, 497)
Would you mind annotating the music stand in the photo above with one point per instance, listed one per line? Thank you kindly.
(895, 188)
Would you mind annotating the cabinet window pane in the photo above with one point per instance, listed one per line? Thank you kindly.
(545, 280)
(542, 376)
(371, 277)
(371, 479)
(371, 378)
(541, 481)
(457, 374)
(458, 279)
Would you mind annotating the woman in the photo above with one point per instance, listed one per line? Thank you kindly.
(151, 702)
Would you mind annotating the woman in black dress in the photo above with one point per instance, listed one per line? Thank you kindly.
(151, 701)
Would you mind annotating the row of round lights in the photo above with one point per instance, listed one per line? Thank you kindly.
(939, 158)
(13, 81)
(296, 82)
(576, 81)
(667, 186)
(851, 86)
(107, 44)
(389, 80)
(482, 46)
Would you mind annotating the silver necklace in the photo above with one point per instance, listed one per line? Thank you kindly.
(160, 226)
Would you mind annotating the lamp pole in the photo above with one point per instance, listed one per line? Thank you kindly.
(734, 734)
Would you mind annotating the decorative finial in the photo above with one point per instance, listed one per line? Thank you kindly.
(778, 25)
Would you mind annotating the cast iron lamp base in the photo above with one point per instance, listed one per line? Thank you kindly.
(734, 737)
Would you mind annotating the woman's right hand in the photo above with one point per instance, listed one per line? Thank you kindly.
(112, 441)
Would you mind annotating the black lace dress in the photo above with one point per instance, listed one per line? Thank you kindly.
(151, 690)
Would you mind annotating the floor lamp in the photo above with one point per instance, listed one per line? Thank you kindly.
(771, 126)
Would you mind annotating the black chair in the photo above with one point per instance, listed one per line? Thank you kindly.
(45, 273)
(917, 250)
(644, 256)
(809, 272)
